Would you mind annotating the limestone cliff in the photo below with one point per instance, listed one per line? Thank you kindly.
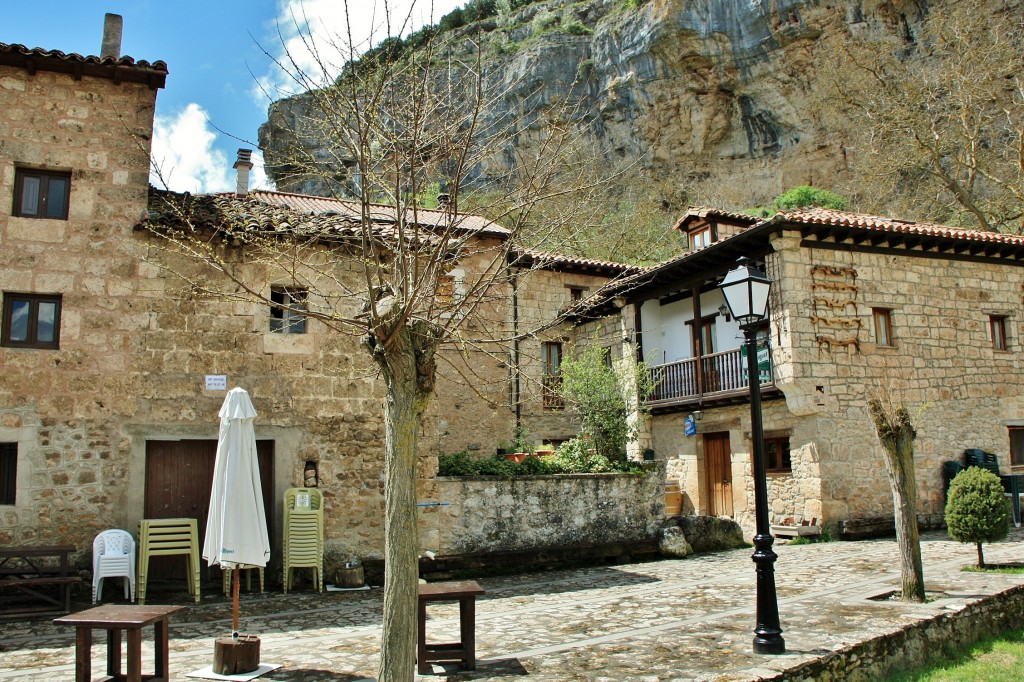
(691, 89)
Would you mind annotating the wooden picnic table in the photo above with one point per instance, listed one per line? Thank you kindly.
(115, 618)
(29, 569)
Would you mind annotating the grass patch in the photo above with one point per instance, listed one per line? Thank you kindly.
(991, 659)
(1011, 569)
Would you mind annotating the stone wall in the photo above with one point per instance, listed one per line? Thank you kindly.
(58, 406)
(489, 514)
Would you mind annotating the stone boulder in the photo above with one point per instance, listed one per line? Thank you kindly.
(673, 543)
(711, 533)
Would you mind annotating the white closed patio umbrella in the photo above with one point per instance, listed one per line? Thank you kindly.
(236, 529)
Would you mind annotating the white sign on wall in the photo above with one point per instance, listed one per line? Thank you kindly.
(216, 382)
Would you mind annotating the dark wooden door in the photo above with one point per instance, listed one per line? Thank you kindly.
(718, 473)
(179, 477)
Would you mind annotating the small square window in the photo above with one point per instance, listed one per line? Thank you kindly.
(700, 239)
(31, 321)
(883, 326)
(41, 194)
(8, 472)
(288, 312)
(997, 327)
(576, 293)
(776, 455)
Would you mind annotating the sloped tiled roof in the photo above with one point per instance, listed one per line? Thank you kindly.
(825, 216)
(557, 261)
(695, 213)
(380, 213)
(119, 69)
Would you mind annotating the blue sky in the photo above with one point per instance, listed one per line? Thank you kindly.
(216, 52)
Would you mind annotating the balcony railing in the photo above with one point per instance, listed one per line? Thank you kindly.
(551, 389)
(723, 373)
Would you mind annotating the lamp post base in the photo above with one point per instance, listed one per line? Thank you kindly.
(767, 633)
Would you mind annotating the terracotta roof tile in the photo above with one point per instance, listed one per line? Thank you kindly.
(546, 259)
(118, 69)
(702, 212)
(382, 213)
(824, 216)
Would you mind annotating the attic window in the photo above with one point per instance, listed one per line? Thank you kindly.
(700, 239)
(576, 293)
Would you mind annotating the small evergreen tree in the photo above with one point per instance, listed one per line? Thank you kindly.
(977, 510)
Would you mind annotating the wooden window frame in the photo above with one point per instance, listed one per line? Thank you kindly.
(706, 234)
(285, 317)
(551, 375)
(10, 297)
(1016, 442)
(882, 324)
(781, 462)
(8, 473)
(43, 200)
(997, 330)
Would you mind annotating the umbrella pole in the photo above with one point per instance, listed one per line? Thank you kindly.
(234, 605)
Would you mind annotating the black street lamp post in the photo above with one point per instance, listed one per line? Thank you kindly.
(746, 291)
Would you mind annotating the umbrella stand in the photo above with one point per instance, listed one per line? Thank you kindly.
(237, 653)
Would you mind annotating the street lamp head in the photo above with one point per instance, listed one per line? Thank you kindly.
(746, 292)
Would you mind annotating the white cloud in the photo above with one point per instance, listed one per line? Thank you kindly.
(316, 37)
(185, 160)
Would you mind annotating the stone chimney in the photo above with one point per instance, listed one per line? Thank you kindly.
(444, 200)
(243, 165)
(111, 46)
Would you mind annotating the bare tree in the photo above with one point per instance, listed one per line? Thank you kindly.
(896, 434)
(373, 263)
(939, 112)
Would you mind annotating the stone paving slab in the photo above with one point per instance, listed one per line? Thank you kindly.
(671, 620)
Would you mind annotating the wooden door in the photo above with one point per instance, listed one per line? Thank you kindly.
(718, 473)
(179, 477)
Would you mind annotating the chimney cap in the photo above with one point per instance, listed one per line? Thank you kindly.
(244, 158)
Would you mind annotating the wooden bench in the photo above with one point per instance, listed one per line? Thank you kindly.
(465, 592)
(28, 570)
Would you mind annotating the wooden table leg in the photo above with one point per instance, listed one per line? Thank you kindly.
(421, 639)
(161, 649)
(114, 652)
(83, 654)
(134, 673)
(467, 631)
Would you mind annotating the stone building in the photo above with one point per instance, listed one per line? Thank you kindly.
(115, 360)
(860, 306)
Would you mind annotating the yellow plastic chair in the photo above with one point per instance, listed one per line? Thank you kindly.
(163, 537)
(248, 578)
(304, 534)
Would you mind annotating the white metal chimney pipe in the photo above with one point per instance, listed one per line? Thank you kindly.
(111, 47)
(243, 165)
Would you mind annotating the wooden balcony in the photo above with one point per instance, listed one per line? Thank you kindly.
(723, 380)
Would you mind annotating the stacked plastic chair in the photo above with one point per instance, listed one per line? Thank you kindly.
(113, 556)
(304, 534)
(163, 537)
(226, 578)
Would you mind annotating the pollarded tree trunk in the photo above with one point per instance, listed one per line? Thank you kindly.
(897, 436)
(408, 370)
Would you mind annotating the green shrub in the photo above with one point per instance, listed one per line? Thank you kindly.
(576, 28)
(544, 21)
(977, 510)
(805, 195)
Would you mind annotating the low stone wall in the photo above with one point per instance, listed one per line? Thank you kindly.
(916, 643)
(491, 515)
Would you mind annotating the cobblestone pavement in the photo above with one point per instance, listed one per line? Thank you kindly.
(685, 619)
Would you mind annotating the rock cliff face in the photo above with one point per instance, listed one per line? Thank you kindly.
(693, 90)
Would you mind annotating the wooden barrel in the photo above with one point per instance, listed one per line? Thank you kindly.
(673, 498)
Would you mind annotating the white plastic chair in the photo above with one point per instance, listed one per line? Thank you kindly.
(113, 556)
